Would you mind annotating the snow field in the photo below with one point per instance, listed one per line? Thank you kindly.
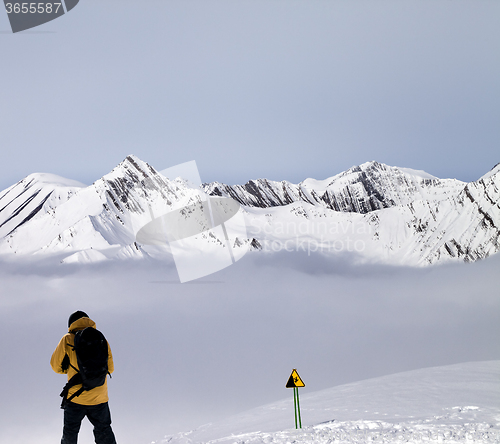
(362, 432)
(421, 406)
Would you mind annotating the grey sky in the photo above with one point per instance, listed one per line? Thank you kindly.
(248, 89)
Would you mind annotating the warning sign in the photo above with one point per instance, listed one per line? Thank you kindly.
(294, 380)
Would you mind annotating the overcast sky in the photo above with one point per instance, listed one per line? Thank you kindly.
(248, 89)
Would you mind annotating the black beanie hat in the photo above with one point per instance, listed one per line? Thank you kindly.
(75, 316)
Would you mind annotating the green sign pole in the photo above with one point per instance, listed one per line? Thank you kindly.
(298, 410)
(295, 390)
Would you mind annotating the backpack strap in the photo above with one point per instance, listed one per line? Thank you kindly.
(74, 395)
(75, 380)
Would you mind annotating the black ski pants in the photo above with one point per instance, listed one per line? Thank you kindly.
(98, 415)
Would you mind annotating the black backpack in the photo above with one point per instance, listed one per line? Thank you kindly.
(91, 350)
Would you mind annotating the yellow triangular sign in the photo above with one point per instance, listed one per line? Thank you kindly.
(294, 380)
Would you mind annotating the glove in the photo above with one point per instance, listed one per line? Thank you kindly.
(65, 362)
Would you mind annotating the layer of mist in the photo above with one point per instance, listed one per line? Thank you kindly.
(188, 354)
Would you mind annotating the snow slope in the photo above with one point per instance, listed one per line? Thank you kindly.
(32, 197)
(453, 404)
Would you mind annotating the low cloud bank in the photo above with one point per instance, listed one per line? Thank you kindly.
(186, 354)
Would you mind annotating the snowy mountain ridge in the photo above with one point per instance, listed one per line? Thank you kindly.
(361, 189)
(377, 212)
(102, 216)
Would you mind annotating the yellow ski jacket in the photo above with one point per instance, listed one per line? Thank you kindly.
(97, 395)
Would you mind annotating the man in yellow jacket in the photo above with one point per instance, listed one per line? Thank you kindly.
(92, 403)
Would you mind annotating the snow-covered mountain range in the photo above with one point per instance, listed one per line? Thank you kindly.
(376, 212)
